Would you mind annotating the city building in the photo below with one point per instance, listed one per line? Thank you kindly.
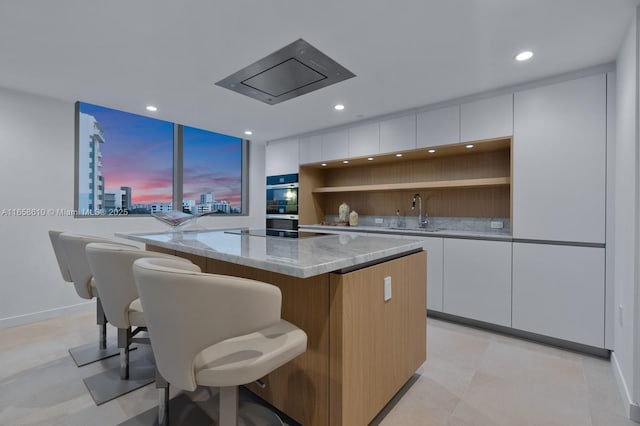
(118, 198)
(160, 207)
(90, 179)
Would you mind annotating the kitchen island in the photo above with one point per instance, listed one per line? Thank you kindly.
(364, 343)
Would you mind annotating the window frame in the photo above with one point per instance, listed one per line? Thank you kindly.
(177, 178)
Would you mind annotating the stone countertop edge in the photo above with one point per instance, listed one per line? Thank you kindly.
(472, 235)
(286, 266)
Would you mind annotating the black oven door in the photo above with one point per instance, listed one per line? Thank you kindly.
(282, 223)
(282, 199)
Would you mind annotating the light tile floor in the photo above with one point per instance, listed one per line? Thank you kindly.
(471, 377)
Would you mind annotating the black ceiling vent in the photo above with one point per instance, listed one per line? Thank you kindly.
(292, 71)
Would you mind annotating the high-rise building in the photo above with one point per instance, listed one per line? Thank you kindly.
(207, 198)
(110, 201)
(125, 196)
(221, 206)
(90, 179)
(118, 198)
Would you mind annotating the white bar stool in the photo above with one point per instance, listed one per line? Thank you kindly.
(85, 288)
(212, 330)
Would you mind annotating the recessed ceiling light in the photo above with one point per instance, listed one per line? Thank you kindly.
(431, 151)
(346, 161)
(370, 158)
(525, 55)
(248, 132)
(324, 164)
(398, 155)
(468, 146)
(338, 107)
(152, 108)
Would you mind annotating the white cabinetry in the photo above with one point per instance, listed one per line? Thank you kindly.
(364, 140)
(398, 134)
(439, 127)
(477, 280)
(558, 291)
(435, 261)
(335, 145)
(486, 118)
(281, 157)
(559, 159)
(310, 149)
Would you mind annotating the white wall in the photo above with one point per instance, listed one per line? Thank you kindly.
(37, 171)
(626, 215)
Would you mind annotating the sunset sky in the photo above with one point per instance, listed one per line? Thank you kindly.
(138, 152)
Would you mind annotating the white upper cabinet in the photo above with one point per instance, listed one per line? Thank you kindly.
(477, 280)
(439, 127)
(364, 140)
(559, 161)
(335, 145)
(486, 118)
(281, 157)
(310, 149)
(398, 134)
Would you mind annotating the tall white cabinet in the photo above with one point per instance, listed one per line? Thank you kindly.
(559, 161)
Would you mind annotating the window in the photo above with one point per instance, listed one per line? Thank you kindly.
(211, 172)
(128, 160)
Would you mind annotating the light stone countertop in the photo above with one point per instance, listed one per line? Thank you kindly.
(417, 232)
(298, 257)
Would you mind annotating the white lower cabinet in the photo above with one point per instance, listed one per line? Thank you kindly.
(435, 263)
(558, 291)
(477, 280)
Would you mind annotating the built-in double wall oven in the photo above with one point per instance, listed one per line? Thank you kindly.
(282, 202)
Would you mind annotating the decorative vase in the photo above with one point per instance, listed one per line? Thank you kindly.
(353, 218)
(343, 212)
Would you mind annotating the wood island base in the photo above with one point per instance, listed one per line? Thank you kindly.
(361, 349)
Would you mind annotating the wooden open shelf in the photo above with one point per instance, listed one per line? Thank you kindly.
(453, 182)
(441, 184)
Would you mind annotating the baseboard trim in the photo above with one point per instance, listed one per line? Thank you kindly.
(48, 314)
(538, 338)
(633, 412)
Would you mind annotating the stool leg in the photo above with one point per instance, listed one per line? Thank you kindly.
(163, 399)
(124, 339)
(228, 406)
(101, 320)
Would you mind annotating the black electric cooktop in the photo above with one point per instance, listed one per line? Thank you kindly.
(274, 233)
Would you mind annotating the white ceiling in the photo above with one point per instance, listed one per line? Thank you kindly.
(126, 54)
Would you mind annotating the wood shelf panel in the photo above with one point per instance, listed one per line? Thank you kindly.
(442, 184)
(491, 201)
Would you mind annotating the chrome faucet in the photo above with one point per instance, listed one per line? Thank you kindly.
(422, 222)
